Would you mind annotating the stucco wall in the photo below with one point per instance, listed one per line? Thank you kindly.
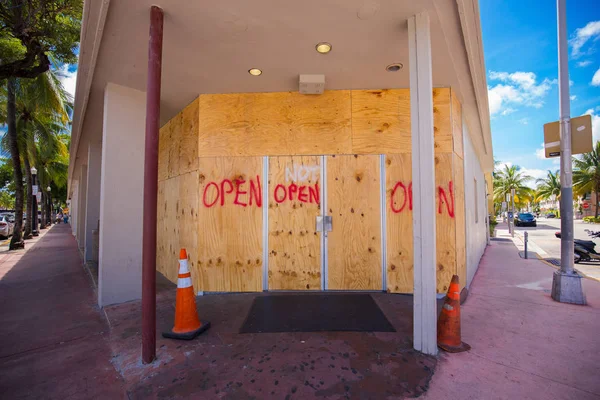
(476, 208)
(121, 195)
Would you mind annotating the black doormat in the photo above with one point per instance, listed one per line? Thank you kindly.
(315, 313)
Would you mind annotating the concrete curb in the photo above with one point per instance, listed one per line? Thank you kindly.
(558, 268)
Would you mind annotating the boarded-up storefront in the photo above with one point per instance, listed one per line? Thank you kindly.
(283, 191)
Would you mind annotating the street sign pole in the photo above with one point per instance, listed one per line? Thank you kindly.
(508, 211)
(512, 202)
(566, 284)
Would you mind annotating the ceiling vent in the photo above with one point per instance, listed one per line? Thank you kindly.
(312, 84)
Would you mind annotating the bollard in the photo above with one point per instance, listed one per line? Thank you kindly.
(526, 238)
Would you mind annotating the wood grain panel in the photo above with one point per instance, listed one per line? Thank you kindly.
(229, 235)
(187, 221)
(459, 198)
(445, 221)
(354, 244)
(174, 146)
(294, 244)
(188, 138)
(167, 241)
(381, 121)
(457, 128)
(164, 142)
(258, 124)
(400, 261)
(442, 128)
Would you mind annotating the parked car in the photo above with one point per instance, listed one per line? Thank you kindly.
(7, 225)
(550, 215)
(525, 219)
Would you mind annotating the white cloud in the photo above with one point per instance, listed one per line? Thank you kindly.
(573, 98)
(68, 79)
(583, 35)
(532, 172)
(524, 121)
(508, 111)
(595, 123)
(541, 152)
(584, 63)
(517, 88)
(596, 78)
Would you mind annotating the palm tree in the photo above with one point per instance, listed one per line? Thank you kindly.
(42, 108)
(510, 177)
(548, 186)
(586, 173)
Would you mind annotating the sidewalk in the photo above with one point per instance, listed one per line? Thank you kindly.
(54, 339)
(524, 345)
(57, 344)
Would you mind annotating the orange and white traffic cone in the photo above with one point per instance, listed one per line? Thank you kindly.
(448, 328)
(187, 324)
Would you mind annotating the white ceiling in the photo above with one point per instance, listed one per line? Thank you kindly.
(210, 45)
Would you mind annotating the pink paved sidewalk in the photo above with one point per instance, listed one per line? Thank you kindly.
(524, 345)
(54, 339)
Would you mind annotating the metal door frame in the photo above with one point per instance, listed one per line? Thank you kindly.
(324, 242)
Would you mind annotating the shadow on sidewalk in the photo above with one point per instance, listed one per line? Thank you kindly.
(53, 335)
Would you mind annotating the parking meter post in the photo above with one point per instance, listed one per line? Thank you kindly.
(526, 239)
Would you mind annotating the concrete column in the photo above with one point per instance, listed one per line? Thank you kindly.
(423, 176)
(121, 195)
(81, 207)
(73, 208)
(93, 197)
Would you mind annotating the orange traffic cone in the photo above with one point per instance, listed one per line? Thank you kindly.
(448, 328)
(187, 324)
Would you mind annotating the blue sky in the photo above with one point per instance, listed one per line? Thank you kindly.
(520, 45)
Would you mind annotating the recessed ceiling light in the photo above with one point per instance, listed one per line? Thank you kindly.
(323, 47)
(254, 71)
(394, 67)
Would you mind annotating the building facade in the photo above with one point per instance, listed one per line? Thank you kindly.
(378, 183)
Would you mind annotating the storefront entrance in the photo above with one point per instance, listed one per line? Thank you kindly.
(324, 220)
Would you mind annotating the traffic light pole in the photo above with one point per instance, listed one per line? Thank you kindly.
(566, 283)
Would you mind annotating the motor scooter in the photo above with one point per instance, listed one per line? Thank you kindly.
(584, 249)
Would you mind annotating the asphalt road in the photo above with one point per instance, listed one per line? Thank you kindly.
(543, 237)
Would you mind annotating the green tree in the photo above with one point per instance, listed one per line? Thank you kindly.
(42, 108)
(548, 186)
(586, 173)
(32, 33)
(510, 177)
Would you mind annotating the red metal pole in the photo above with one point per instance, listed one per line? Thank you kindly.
(151, 186)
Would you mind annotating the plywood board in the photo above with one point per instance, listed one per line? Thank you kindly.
(445, 221)
(459, 216)
(354, 244)
(381, 121)
(167, 241)
(164, 142)
(230, 224)
(457, 128)
(258, 124)
(400, 261)
(187, 221)
(294, 204)
(188, 138)
(174, 146)
(442, 128)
